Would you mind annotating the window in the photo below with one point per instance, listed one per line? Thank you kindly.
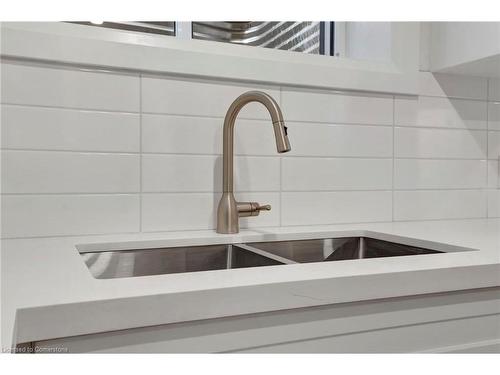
(151, 27)
(308, 37)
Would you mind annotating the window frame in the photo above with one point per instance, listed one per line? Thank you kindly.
(115, 49)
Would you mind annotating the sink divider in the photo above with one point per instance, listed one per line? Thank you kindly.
(266, 254)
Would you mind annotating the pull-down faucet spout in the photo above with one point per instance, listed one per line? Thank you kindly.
(229, 210)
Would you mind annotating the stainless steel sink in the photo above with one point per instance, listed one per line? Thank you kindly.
(144, 262)
(330, 249)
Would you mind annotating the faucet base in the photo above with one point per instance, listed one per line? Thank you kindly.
(227, 214)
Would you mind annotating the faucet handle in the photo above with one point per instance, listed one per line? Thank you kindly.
(251, 208)
(266, 207)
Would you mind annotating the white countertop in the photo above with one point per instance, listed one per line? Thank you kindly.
(48, 292)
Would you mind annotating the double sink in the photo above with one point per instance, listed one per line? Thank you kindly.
(145, 262)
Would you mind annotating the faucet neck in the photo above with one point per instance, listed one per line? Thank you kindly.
(228, 156)
(228, 133)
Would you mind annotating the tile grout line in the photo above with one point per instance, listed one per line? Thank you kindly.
(487, 150)
(281, 168)
(393, 151)
(70, 108)
(199, 192)
(160, 153)
(453, 97)
(140, 153)
(213, 117)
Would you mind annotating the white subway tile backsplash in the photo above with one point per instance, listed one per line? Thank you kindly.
(59, 215)
(439, 204)
(252, 174)
(310, 208)
(311, 174)
(191, 211)
(165, 212)
(174, 134)
(198, 98)
(452, 85)
(59, 87)
(40, 128)
(494, 89)
(494, 115)
(493, 174)
(440, 143)
(336, 108)
(253, 137)
(494, 145)
(87, 152)
(69, 172)
(340, 140)
(174, 173)
(191, 173)
(494, 203)
(440, 112)
(439, 174)
(197, 135)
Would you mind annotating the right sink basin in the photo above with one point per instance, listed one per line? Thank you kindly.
(330, 249)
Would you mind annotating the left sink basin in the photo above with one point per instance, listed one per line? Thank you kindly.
(145, 262)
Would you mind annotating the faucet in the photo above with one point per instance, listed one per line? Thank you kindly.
(229, 210)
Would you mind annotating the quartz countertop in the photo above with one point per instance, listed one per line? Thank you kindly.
(48, 291)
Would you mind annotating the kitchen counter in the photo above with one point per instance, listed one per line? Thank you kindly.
(48, 292)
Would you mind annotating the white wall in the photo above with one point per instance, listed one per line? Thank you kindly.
(87, 152)
(369, 41)
(425, 46)
(455, 43)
